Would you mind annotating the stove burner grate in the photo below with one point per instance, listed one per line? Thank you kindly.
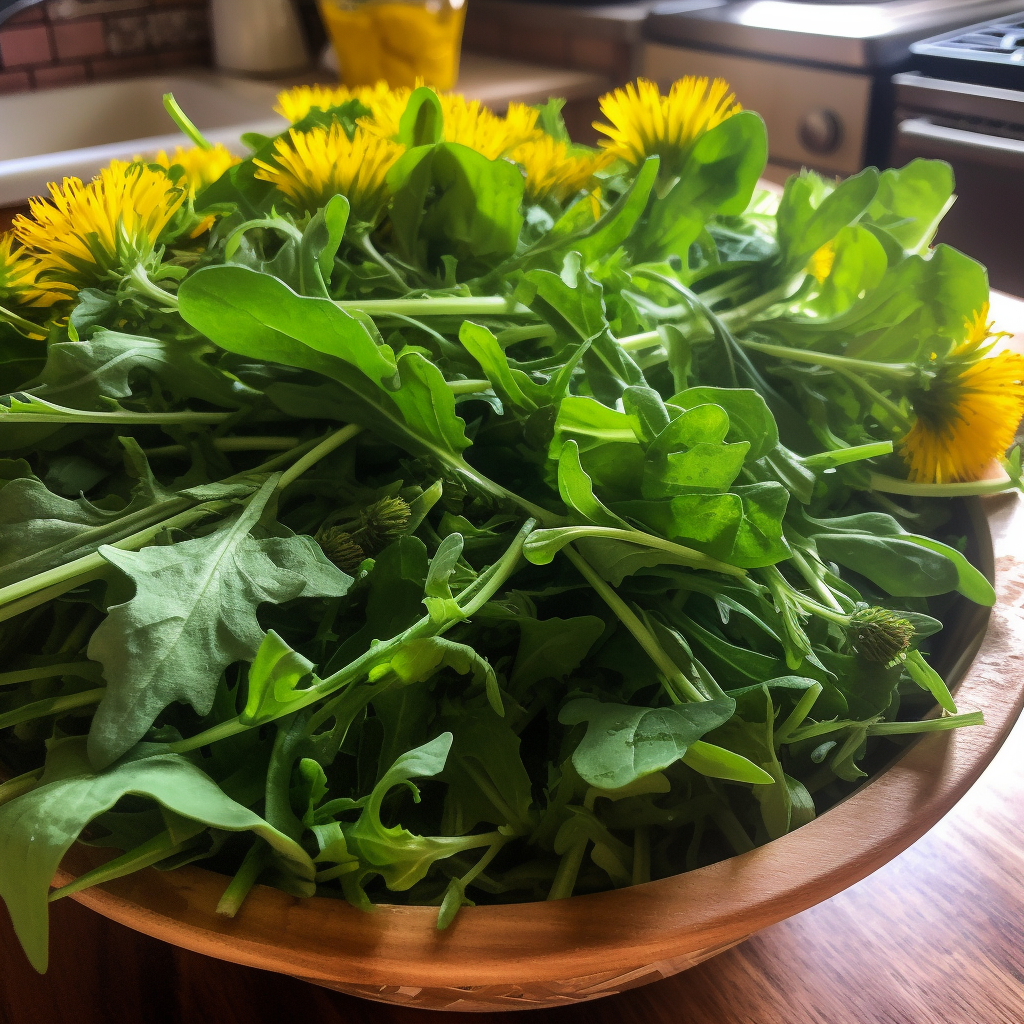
(991, 53)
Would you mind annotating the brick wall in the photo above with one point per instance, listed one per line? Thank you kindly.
(63, 42)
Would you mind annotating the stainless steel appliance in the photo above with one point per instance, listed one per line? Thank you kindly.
(819, 73)
(979, 129)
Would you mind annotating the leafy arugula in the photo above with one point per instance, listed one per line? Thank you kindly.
(500, 546)
(193, 613)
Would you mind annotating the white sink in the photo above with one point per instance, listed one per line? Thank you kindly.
(56, 133)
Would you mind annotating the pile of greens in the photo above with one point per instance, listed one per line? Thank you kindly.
(523, 552)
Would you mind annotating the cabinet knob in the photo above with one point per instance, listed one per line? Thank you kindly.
(821, 131)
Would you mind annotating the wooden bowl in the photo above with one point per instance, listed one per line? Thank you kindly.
(546, 954)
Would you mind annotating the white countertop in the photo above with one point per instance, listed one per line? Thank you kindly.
(498, 82)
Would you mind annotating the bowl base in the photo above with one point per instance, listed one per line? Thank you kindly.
(540, 995)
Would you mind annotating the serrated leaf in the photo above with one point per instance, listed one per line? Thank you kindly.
(273, 680)
(110, 364)
(399, 856)
(193, 614)
(418, 660)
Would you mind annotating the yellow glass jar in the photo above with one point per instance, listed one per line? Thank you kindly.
(399, 42)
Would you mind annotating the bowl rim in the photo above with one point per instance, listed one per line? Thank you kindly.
(328, 941)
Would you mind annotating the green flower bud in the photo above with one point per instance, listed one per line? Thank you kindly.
(880, 634)
(382, 522)
(341, 549)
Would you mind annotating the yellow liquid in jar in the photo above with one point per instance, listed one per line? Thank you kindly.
(397, 42)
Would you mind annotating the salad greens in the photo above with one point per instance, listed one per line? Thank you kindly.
(470, 548)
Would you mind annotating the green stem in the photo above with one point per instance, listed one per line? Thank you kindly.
(182, 120)
(695, 559)
(47, 594)
(98, 535)
(245, 878)
(568, 871)
(468, 387)
(898, 371)
(530, 332)
(91, 566)
(643, 636)
(736, 319)
(811, 732)
(61, 414)
(231, 444)
(799, 713)
(928, 725)
(330, 874)
(893, 485)
(782, 593)
(13, 788)
(20, 324)
(364, 242)
(27, 675)
(144, 286)
(731, 828)
(833, 615)
(898, 415)
(51, 706)
(274, 464)
(844, 456)
(850, 745)
(816, 583)
(469, 305)
(495, 848)
(636, 342)
(158, 848)
(928, 679)
(322, 450)
(488, 789)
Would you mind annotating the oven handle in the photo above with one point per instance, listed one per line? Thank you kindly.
(935, 140)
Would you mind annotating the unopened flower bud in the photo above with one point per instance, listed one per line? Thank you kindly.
(383, 522)
(341, 549)
(880, 634)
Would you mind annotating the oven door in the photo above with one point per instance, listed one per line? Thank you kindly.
(982, 136)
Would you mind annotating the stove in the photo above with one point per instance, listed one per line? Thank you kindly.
(991, 53)
(964, 103)
(819, 73)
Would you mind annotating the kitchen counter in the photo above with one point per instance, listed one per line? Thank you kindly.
(498, 81)
(934, 937)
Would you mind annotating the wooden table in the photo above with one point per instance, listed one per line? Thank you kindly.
(935, 937)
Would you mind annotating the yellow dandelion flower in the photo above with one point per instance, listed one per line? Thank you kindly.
(297, 103)
(467, 122)
(88, 234)
(387, 112)
(554, 170)
(970, 411)
(819, 266)
(202, 167)
(644, 123)
(312, 167)
(18, 276)
(471, 124)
